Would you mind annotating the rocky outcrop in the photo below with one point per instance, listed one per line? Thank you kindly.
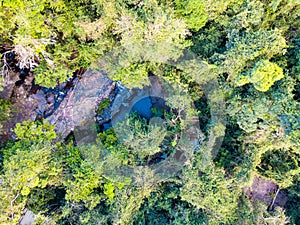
(24, 105)
(81, 102)
(73, 104)
(266, 191)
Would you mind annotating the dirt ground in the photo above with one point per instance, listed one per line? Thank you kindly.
(266, 191)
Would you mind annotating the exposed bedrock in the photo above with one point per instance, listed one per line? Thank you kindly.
(81, 102)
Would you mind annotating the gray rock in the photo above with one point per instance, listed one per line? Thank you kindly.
(28, 218)
(41, 102)
(12, 78)
(81, 102)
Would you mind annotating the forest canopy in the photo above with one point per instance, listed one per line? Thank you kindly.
(233, 66)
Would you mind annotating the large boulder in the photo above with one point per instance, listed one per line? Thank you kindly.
(81, 102)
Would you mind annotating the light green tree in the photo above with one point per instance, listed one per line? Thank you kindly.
(32, 162)
(262, 76)
(193, 13)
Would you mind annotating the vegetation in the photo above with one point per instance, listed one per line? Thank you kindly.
(246, 54)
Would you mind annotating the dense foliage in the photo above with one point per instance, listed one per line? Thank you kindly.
(251, 49)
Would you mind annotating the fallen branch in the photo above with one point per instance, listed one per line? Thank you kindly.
(274, 199)
(12, 202)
